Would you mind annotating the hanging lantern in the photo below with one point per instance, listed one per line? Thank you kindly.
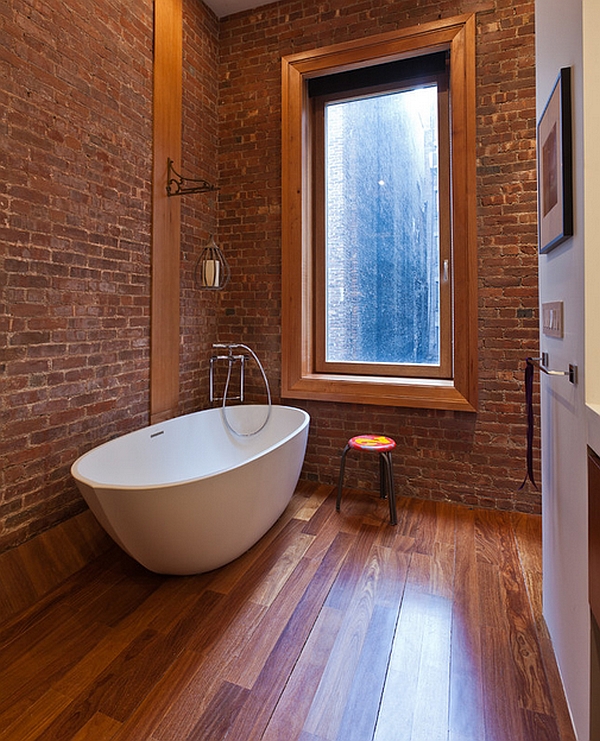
(212, 271)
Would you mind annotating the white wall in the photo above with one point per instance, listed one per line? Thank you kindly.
(559, 43)
(591, 72)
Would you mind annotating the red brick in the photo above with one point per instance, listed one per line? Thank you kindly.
(75, 267)
(480, 458)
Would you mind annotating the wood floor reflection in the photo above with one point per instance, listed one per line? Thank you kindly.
(334, 626)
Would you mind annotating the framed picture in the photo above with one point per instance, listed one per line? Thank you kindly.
(555, 166)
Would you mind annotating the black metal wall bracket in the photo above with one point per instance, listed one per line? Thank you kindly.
(176, 183)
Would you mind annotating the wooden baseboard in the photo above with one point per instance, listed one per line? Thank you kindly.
(33, 569)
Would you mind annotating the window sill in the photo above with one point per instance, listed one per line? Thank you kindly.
(399, 392)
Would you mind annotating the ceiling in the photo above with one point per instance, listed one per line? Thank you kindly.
(227, 7)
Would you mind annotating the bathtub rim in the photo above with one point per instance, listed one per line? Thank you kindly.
(132, 488)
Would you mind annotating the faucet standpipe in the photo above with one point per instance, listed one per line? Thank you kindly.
(231, 358)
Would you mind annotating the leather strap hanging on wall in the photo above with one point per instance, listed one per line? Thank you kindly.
(529, 369)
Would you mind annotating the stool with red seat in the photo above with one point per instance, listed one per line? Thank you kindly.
(374, 444)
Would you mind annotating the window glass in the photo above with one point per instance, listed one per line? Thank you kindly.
(382, 253)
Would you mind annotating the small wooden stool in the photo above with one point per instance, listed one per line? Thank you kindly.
(375, 444)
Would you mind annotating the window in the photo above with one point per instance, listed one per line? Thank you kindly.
(379, 262)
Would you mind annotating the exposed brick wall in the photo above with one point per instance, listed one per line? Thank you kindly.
(75, 220)
(198, 211)
(476, 459)
(75, 208)
(75, 127)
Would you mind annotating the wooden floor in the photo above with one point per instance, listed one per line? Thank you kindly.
(335, 626)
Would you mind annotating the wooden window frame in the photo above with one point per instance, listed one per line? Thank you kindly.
(300, 378)
(321, 364)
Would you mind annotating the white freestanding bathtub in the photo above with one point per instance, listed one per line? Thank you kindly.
(187, 496)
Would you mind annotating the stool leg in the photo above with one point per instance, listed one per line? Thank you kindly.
(341, 478)
(391, 492)
(383, 477)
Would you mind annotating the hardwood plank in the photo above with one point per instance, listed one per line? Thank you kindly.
(442, 570)
(426, 522)
(512, 614)
(30, 724)
(362, 507)
(122, 598)
(466, 717)
(445, 522)
(64, 599)
(534, 693)
(334, 626)
(557, 696)
(261, 556)
(488, 529)
(312, 505)
(184, 714)
(27, 634)
(24, 678)
(33, 569)
(230, 628)
(224, 612)
(528, 535)
(256, 653)
(126, 681)
(351, 570)
(199, 635)
(387, 535)
(17, 591)
(419, 663)
(98, 728)
(328, 531)
(403, 544)
(364, 698)
(120, 688)
(86, 537)
(294, 704)
(491, 602)
(392, 580)
(416, 692)
(148, 715)
(164, 608)
(337, 685)
(419, 523)
(540, 727)
(57, 551)
(261, 701)
(220, 714)
(156, 613)
(309, 737)
(502, 720)
(274, 580)
(322, 514)
(304, 494)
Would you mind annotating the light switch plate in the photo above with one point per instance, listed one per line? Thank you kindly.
(552, 319)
